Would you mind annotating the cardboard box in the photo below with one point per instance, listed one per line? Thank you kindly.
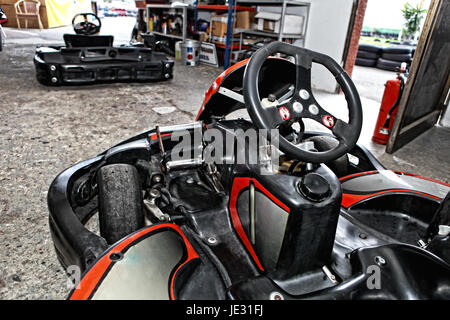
(244, 19)
(270, 22)
(219, 25)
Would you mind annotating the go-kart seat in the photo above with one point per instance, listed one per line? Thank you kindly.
(77, 40)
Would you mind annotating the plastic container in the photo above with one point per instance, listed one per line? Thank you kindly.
(190, 52)
(178, 50)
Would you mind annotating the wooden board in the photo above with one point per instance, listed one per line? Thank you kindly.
(421, 103)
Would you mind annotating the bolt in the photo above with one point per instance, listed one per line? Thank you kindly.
(53, 67)
(212, 240)
(154, 193)
(157, 178)
(363, 236)
(276, 296)
(314, 109)
(379, 260)
(54, 79)
(116, 256)
(167, 65)
(297, 107)
(167, 75)
(304, 94)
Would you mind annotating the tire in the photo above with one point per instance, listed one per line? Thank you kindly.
(120, 201)
(397, 50)
(388, 64)
(369, 48)
(367, 55)
(365, 62)
(400, 57)
(339, 166)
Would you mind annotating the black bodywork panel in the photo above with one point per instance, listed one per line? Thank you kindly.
(94, 59)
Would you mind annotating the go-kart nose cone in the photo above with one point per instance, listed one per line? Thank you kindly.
(314, 187)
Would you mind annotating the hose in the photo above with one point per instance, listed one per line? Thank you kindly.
(396, 103)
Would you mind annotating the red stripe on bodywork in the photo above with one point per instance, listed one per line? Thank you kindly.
(349, 199)
(238, 185)
(357, 175)
(94, 275)
(217, 83)
(424, 178)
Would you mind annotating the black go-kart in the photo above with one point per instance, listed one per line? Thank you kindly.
(288, 214)
(89, 58)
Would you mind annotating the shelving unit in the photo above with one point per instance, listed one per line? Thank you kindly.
(284, 5)
(231, 9)
(184, 9)
(278, 35)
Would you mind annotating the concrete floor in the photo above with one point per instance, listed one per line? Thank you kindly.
(44, 130)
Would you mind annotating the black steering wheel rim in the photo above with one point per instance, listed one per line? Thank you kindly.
(269, 118)
(86, 27)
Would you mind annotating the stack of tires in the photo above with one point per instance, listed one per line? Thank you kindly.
(392, 58)
(386, 58)
(368, 55)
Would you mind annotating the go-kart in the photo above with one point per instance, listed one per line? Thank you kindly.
(282, 213)
(89, 58)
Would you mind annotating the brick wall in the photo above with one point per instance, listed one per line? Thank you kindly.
(356, 33)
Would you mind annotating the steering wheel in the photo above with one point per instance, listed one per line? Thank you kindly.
(86, 27)
(303, 104)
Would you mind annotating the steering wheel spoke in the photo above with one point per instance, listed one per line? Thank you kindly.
(303, 82)
(281, 115)
(316, 112)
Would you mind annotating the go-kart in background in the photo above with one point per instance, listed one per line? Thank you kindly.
(46, 129)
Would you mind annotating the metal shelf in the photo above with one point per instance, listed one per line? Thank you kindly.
(167, 35)
(284, 5)
(267, 34)
(166, 6)
(273, 2)
(149, 7)
(222, 7)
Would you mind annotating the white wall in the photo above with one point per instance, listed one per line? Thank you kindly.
(327, 32)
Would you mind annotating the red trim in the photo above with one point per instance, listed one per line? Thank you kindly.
(395, 171)
(429, 179)
(349, 200)
(357, 174)
(218, 82)
(172, 293)
(238, 185)
(94, 275)
(235, 46)
(154, 136)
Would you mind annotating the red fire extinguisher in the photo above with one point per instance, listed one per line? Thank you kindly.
(389, 105)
